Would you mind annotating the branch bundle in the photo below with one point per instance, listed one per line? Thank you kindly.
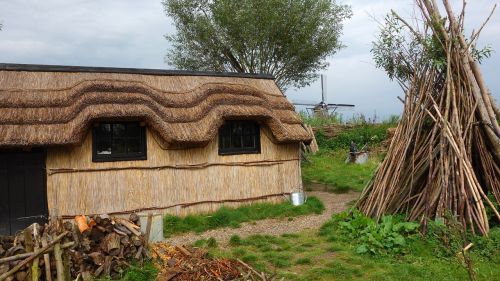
(444, 157)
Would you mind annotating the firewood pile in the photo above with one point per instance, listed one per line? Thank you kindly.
(444, 158)
(181, 263)
(86, 248)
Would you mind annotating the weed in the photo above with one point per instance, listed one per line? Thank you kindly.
(388, 236)
(140, 273)
(303, 261)
(211, 242)
(235, 240)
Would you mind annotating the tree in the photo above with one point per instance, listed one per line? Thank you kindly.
(287, 39)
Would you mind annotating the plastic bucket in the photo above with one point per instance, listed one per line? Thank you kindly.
(297, 198)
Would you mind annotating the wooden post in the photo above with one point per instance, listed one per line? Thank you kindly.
(32, 257)
(35, 270)
(46, 258)
(59, 263)
(148, 230)
(28, 243)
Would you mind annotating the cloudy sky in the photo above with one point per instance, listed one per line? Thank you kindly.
(130, 33)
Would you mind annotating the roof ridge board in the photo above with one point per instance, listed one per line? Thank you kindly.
(144, 71)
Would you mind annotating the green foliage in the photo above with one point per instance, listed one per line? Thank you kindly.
(316, 121)
(303, 261)
(211, 242)
(365, 134)
(389, 236)
(400, 48)
(287, 39)
(228, 217)
(140, 273)
(235, 240)
(307, 256)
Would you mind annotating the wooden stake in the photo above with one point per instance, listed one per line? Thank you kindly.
(32, 257)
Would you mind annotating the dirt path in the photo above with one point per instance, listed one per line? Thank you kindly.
(334, 203)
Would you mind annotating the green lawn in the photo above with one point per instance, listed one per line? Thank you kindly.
(310, 256)
(329, 167)
(233, 217)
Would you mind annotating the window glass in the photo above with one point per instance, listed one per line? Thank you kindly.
(239, 137)
(119, 141)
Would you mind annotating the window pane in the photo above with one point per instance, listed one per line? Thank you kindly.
(134, 145)
(133, 130)
(248, 141)
(119, 130)
(103, 138)
(236, 129)
(119, 146)
(248, 128)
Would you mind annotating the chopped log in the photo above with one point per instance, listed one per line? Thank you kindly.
(136, 240)
(111, 244)
(134, 218)
(130, 226)
(97, 258)
(121, 230)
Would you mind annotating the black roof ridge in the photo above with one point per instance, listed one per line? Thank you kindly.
(145, 71)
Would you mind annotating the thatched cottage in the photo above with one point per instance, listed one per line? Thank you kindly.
(92, 140)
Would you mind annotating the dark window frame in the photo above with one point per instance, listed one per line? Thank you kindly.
(225, 131)
(142, 155)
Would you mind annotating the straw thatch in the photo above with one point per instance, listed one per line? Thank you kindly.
(41, 108)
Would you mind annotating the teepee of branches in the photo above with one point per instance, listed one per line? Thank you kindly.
(445, 155)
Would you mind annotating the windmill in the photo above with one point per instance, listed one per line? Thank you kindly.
(323, 108)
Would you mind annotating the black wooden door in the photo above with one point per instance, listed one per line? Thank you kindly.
(23, 198)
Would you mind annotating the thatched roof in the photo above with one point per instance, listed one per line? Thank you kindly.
(56, 105)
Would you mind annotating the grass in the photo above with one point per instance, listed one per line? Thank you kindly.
(329, 167)
(233, 217)
(310, 256)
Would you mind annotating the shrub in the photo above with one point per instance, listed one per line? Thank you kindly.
(388, 236)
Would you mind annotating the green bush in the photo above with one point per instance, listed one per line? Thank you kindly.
(369, 134)
(389, 236)
(232, 217)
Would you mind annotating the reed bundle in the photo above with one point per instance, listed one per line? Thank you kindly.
(444, 157)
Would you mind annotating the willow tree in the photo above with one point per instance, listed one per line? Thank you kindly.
(290, 40)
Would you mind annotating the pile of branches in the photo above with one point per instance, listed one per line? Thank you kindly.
(445, 156)
(86, 248)
(181, 263)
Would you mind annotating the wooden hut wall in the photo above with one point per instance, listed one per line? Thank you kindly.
(76, 185)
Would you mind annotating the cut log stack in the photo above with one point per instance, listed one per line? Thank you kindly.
(88, 248)
(444, 158)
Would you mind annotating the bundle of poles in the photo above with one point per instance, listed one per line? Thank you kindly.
(445, 156)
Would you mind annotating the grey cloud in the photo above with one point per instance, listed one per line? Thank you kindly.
(128, 33)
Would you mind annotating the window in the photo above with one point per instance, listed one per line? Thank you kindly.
(236, 137)
(119, 141)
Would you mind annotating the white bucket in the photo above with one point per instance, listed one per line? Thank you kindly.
(297, 198)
